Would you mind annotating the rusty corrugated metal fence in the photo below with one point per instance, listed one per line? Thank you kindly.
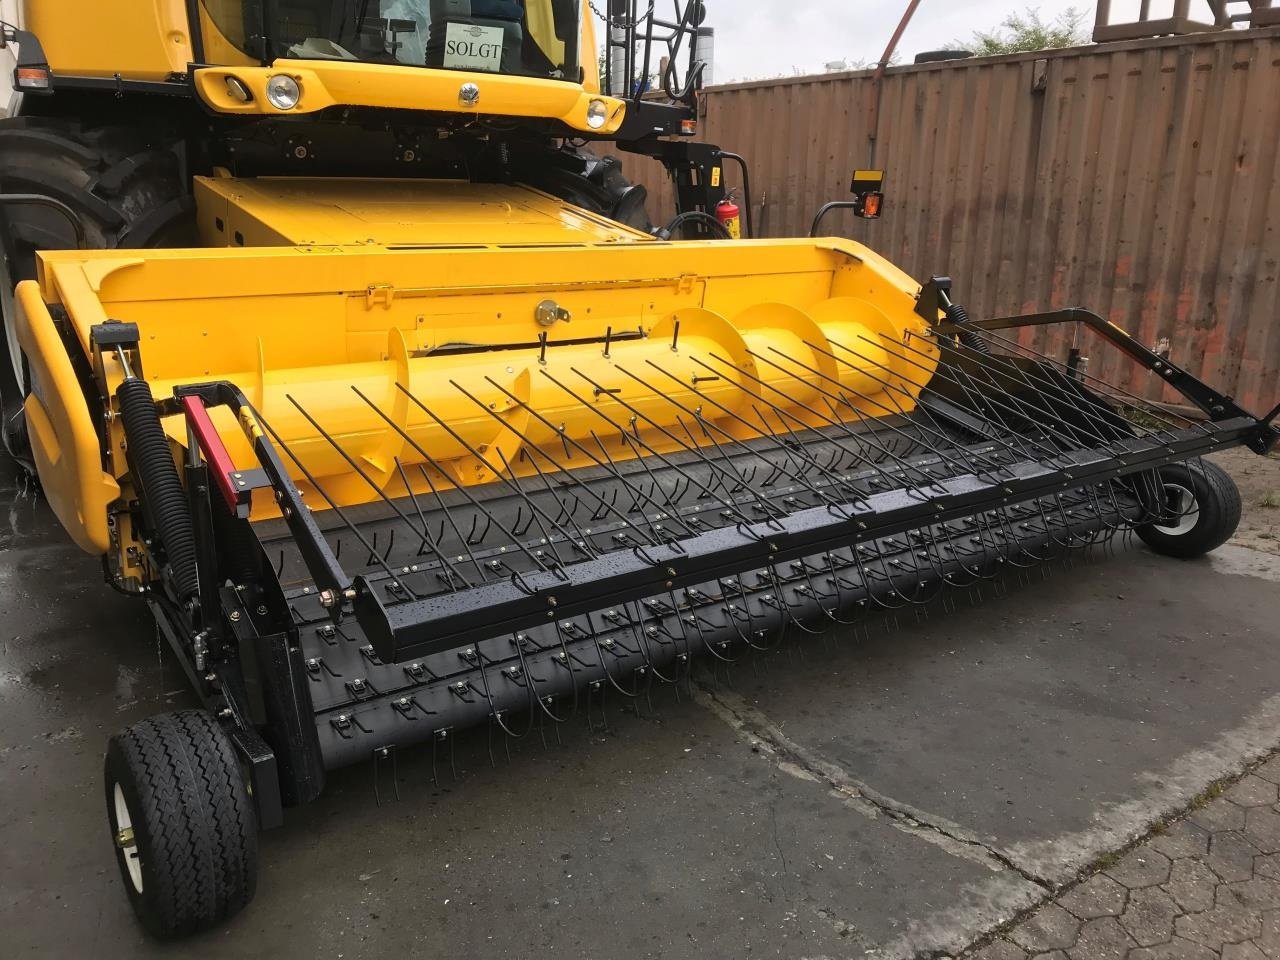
(1140, 180)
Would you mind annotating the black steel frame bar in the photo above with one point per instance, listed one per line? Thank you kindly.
(410, 630)
(1219, 407)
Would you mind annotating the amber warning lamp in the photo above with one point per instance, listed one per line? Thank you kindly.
(868, 192)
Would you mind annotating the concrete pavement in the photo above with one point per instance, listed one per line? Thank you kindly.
(894, 790)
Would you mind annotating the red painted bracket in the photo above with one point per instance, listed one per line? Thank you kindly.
(236, 486)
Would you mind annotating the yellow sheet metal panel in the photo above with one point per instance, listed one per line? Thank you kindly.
(64, 444)
(542, 28)
(592, 79)
(137, 39)
(704, 325)
(220, 48)
(328, 84)
(391, 213)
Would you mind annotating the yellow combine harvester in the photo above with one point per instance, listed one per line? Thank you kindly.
(351, 361)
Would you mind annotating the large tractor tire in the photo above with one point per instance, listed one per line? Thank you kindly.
(127, 186)
(601, 187)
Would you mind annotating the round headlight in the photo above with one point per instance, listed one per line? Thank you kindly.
(597, 114)
(283, 92)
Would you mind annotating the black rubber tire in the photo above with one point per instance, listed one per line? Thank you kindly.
(602, 187)
(126, 184)
(1217, 500)
(163, 496)
(194, 826)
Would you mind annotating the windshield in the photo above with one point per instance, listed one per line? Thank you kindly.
(534, 38)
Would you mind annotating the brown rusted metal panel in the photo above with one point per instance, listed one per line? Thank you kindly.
(1140, 180)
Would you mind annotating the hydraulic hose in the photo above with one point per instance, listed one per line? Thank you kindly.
(969, 337)
(694, 216)
(160, 486)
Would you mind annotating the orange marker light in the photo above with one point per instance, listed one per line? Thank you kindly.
(32, 78)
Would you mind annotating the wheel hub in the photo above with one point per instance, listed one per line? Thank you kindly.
(125, 840)
(1184, 510)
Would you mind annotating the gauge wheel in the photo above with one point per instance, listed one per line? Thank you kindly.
(182, 823)
(1200, 510)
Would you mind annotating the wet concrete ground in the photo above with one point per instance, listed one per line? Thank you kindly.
(891, 791)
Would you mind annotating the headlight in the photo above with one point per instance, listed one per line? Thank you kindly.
(283, 92)
(597, 114)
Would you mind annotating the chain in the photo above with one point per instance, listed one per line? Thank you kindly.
(621, 19)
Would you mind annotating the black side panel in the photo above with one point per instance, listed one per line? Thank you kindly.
(290, 729)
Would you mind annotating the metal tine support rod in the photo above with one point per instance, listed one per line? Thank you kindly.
(567, 472)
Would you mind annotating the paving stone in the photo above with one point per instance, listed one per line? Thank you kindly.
(1242, 951)
(1101, 939)
(1268, 866)
(1231, 857)
(1192, 885)
(1269, 770)
(1049, 928)
(1141, 867)
(1219, 814)
(1262, 828)
(1252, 791)
(1269, 940)
(1182, 839)
(1149, 916)
(1099, 896)
(1175, 949)
(1225, 923)
(1256, 894)
(1051, 955)
(1000, 950)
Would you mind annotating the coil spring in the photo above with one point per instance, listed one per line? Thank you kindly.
(970, 338)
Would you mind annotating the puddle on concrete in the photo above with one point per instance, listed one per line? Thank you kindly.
(24, 513)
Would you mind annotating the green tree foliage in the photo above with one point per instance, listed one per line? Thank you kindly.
(1026, 32)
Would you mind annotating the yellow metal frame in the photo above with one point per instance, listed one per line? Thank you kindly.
(151, 40)
(307, 324)
(272, 211)
(64, 444)
(133, 39)
(327, 84)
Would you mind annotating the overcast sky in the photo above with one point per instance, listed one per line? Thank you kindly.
(763, 38)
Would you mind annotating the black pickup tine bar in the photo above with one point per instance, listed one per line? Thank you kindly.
(782, 498)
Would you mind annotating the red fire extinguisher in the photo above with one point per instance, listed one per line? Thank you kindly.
(730, 217)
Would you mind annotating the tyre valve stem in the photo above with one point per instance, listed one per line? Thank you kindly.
(125, 840)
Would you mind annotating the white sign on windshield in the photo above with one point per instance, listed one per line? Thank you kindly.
(471, 47)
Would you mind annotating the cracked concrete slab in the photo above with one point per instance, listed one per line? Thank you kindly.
(1058, 722)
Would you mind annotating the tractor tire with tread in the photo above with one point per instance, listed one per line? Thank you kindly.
(128, 187)
(188, 853)
(1205, 507)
